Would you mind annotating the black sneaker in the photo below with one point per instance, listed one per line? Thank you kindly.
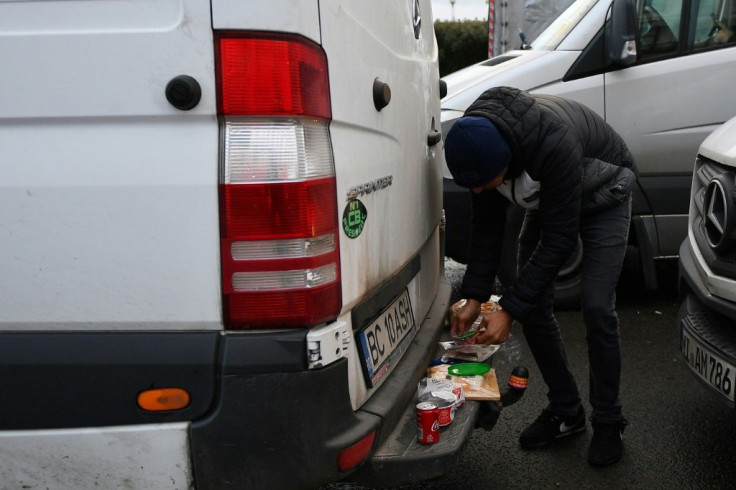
(607, 444)
(549, 427)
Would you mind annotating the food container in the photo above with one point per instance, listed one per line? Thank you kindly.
(446, 405)
(469, 369)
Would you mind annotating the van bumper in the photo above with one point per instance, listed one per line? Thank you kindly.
(707, 331)
(259, 418)
(286, 429)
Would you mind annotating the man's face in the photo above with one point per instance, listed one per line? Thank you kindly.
(492, 184)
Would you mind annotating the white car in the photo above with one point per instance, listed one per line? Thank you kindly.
(658, 71)
(707, 320)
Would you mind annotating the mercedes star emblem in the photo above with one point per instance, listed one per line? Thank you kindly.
(417, 20)
(719, 212)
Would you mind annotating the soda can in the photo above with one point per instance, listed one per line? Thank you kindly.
(428, 426)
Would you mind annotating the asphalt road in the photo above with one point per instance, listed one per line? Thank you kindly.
(679, 434)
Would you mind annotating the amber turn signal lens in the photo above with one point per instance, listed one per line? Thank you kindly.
(162, 399)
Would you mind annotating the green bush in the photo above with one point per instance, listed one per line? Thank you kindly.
(461, 43)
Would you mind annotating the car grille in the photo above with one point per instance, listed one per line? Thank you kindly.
(722, 261)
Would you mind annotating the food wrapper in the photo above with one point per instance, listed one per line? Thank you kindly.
(468, 352)
(430, 384)
(464, 347)
(479, 387)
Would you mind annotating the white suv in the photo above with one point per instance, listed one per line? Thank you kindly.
(708, 266)
(221, 244)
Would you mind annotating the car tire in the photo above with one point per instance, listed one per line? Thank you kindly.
(568, 286)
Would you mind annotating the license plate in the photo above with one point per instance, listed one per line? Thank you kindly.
(384, 340)
(716, 372)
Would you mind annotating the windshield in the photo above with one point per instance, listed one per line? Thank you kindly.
(558, 30)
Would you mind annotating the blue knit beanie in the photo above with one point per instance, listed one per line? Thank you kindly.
(475, 152)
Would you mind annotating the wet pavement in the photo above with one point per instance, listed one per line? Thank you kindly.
(679, 436)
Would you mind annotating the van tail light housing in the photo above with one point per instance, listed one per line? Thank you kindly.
(278, 199)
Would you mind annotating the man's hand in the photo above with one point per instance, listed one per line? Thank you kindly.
(463, 319)
(497, 325)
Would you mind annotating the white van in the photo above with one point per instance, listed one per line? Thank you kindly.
(707, 319)
(658, 71)
(221, 246)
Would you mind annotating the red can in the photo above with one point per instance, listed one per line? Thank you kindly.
(428, 426)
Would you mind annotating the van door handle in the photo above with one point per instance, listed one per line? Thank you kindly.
(434, 137)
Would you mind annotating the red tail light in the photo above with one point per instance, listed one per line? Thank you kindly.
(352, 456)
(278, 203)
(271, 74)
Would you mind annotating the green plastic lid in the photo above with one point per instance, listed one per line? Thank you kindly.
(469, 369)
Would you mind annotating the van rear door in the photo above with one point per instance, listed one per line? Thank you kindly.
(382, 157)
(108, 202)
(386, 141)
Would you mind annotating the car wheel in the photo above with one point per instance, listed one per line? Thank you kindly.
(569, 281)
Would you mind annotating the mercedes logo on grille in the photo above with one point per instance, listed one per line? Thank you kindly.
(719, 211)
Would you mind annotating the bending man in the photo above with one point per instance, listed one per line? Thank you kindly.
(574, 174)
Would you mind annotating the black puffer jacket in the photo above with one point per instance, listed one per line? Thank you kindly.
(582, 165)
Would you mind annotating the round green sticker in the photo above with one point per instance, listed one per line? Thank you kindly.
(353, 218)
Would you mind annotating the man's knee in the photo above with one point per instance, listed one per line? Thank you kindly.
(597, 307)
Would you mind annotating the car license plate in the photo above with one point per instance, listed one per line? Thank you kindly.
(716, 372)
(384, 340)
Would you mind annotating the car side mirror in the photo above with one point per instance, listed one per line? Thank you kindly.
(620, 33)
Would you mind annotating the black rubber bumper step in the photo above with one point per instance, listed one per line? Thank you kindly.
(402, 459)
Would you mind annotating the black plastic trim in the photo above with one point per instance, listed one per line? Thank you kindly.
(690, 281)
(708, 319)
(722, 265)
(497, 60)
(402, 460)
(285, 430)
(592, 61)
(269, 430)
(722, 261)
(715, 331)
(65, 380)
(711, 331)
(265, 352)
(646, 253)
(667, 194)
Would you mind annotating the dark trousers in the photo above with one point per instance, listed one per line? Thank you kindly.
(604, 235)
